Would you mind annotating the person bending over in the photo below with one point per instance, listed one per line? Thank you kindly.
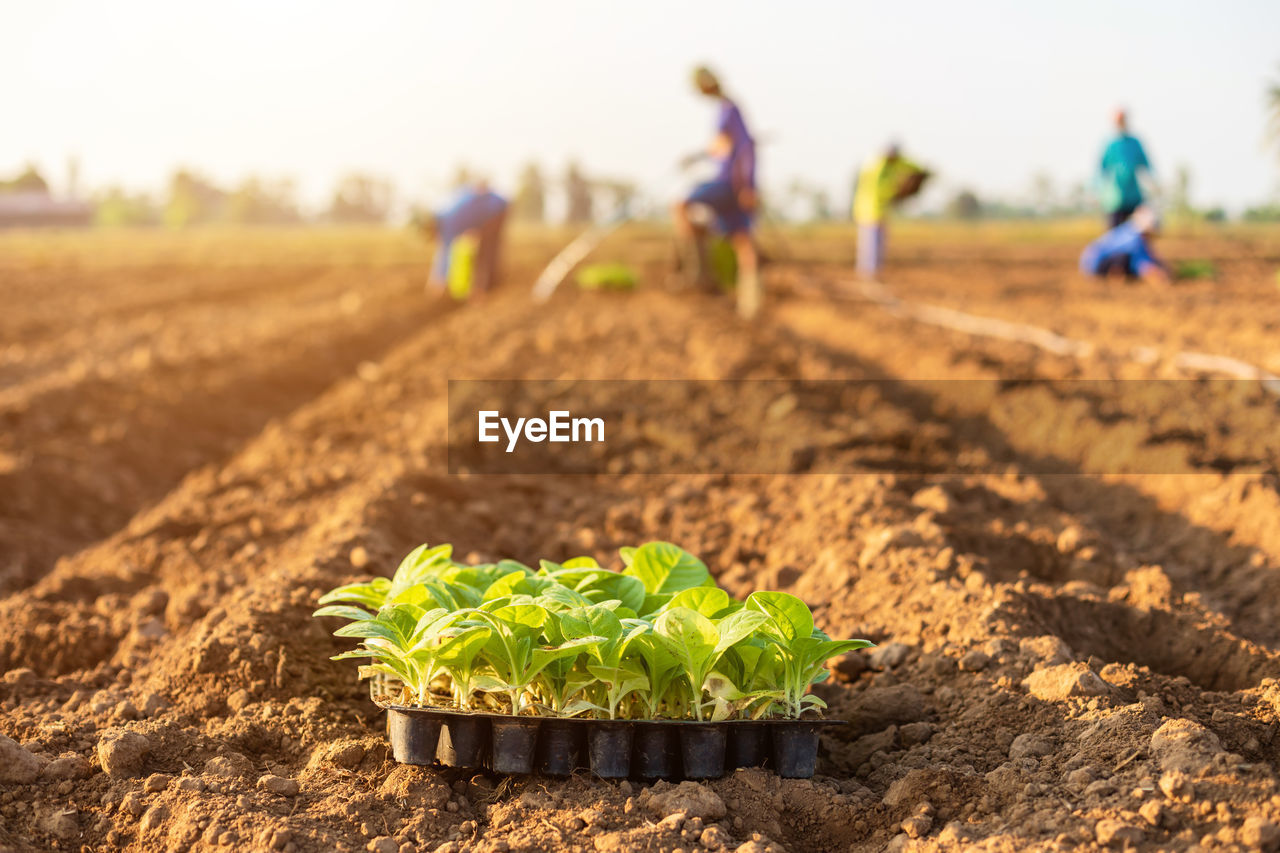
(1125, 251)
(884, 181)
(475, 214)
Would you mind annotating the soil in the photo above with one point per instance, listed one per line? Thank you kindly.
(193, 452)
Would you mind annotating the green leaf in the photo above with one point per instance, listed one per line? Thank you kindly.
(561, 598)
(541, 657)
(370, 593)
(522, 617)
(664, 568)
(690, 637)
(432, 621)
(421, 562)
(654, 603)
(460, 645)
(518, 583)
(738, 626)
(489, 684)
(591, 621)
(369, 629)
(789, 617)
(343, 611)
(623, 680)
(580, 706)
(710, 601)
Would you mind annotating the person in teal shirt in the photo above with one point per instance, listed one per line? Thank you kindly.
(1122, 161)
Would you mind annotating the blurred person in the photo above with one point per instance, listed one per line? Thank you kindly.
(884, 181)
(1125, 251)
(730, 196)
(469, 230)
(1123, 161)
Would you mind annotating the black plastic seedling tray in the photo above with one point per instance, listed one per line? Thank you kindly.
(611, 749)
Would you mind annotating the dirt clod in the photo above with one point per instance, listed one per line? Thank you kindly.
(1153, 812)
(121, 753)
(1114, 833)
(17, 765)
(1258, 833)
(154, 818)
(233, 765)
(688, 799)
(1065, 681)
(64, 768)
(1030, 745)
(1184, 745)
(889, 655)
(279, 785)
(156, 783)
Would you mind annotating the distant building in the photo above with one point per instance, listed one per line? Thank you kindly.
(34, 209)
(25, 201)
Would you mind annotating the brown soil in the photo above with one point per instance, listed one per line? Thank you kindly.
(193, 453)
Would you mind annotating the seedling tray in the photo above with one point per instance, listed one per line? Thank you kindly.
(611, 749)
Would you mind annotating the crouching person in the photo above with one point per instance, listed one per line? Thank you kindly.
(1125, 251)
(469, 231)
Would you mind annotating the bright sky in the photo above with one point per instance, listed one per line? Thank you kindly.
(987, 92)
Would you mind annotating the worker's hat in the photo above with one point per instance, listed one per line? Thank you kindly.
(705, 79)
(1146, 220)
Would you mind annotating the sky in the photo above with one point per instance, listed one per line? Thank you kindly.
(986, 93)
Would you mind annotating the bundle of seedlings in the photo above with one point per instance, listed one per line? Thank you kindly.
(572, 664)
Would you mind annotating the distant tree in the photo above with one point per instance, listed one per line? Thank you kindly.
(1043, 195)
(578, 196)
(964, 205)
(1079, 199)
(815, 198)
(115, 207)
(623, 195)
(1215, 214)
(260, 202)
(530, 202)
(1265, 213)
(28, 181)
(361, 199)
(192, 200)
(1180, 195)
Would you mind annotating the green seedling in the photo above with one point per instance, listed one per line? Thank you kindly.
(802, 649)
(607, 276)
(608, 663)
(1195, 269)
(697, 643)
(515, 652)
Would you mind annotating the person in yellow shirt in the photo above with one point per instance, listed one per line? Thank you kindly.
(884, 181)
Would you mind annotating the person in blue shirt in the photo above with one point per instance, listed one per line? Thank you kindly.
(1125, 251)
(1123, 160)
(730, 196)
(476, 212)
